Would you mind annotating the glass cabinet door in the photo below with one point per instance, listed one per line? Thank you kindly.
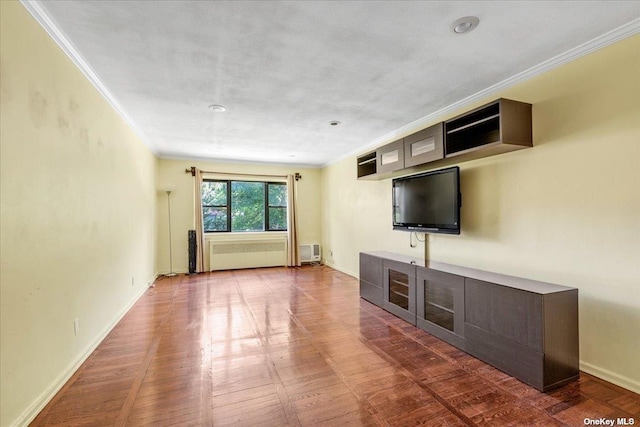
(438, 304)
(399, 289)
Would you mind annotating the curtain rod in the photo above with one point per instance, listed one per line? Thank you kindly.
(192, 171)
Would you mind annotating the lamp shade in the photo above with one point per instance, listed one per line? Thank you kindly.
(166, 188)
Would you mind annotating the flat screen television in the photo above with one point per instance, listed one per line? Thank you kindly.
(429, 202)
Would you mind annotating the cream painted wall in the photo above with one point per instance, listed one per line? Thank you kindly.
(171, 174)
(356, 217)
(77, 216)
(566, 211)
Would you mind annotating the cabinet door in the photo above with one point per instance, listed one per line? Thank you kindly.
(390, 157)
(399, 290)
(440, 305)
(371, 278)
(505, 312)
(424, 146)
(503, 327)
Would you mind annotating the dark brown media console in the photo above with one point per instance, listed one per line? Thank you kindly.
(525, 328)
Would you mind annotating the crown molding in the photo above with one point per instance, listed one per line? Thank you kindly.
(237, 162)
(39, 13)
(627, 30)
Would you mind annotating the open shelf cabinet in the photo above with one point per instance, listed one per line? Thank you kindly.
(503, 124)
(367, 165)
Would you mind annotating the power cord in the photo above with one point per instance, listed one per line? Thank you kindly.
(411, 234)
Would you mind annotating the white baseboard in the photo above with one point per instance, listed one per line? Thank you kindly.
(174, 272)
(340, 269)
(611, 377)
(38, 405)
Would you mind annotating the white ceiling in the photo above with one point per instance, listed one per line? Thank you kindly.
(285, 69)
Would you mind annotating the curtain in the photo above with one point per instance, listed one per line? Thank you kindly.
(200, 250)
(293, 251)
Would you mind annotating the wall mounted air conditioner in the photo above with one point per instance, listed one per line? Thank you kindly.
(310, 253)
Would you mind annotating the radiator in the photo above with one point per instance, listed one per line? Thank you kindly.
(247, 253)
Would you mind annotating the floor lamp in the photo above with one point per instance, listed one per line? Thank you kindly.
(171, 273)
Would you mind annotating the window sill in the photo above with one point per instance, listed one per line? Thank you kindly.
(246, 235)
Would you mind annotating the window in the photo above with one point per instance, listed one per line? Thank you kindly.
(215, 202)
(244, 206)
(277, 206)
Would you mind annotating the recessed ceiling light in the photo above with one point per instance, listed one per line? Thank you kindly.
(464, 25)
(217, 108)
(334, 123)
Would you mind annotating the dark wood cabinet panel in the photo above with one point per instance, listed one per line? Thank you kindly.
(516, 125)
(504, 311)
(526, 328)
(561, 343)
(517, 360)
(371, 269)
(424, 146)
(371, 292)
(371, 282)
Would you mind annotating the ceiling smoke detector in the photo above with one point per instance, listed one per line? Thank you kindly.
(217, 108)
(464, 25)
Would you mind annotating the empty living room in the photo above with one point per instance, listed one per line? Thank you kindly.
(319, 213)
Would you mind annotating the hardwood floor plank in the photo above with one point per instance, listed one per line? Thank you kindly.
(299, 347)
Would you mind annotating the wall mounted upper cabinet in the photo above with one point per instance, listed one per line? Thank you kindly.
(424, 146)
(390, 157)
(495, 128)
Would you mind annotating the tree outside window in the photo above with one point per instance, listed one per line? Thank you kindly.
(215, 203)
(239, 206)
(277, 209)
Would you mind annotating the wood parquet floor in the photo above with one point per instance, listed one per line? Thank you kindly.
(298, 347)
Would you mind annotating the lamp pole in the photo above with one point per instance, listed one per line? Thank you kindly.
(171, 273)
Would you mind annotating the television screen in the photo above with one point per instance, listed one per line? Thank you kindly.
(428, 202)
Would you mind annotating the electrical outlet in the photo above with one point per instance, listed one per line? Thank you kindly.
(76, 326)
